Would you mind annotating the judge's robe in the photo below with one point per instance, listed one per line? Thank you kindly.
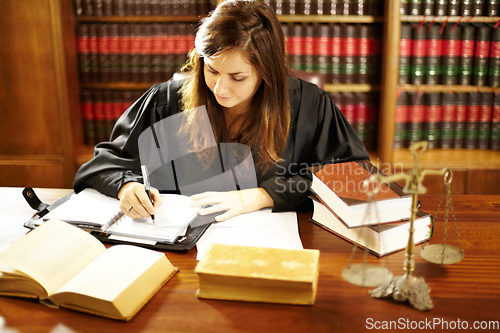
(319, 134)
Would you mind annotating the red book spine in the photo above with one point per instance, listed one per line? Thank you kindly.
(451, 54)
(83, 51)
(495, 124)
(125, 51)
(109, 120)
(114, 53)
(460, 120)
(99, 119)
(481, 56)
(449, 110)
(416, 117)
(135, 51)
(466, 56)
(419, 53)
(93, 53)
(323, 47)
(296, 49)
(87, 110)
(336, 53)
(484, 120)
(349, 108)
(434, 54)
(432, 119)
(472, 121)
(117, 104)
(103, 50)
(308, 58)
(156, 50)
(168, 64)
(401, 120)
(405, 54)
(146, 61)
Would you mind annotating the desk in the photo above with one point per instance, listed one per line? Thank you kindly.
(462, 293)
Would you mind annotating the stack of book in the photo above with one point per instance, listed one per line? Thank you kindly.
(326, 7)
(341, 206)
(450, 8)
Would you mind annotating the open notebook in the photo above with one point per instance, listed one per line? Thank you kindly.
(92, 210)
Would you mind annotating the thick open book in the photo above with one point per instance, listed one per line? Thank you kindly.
(379, 239)
(92, 210)
(258, 274)
(340, 188)
(66, 267)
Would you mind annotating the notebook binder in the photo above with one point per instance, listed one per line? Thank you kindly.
(184, 244)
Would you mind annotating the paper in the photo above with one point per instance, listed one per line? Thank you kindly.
(91, 208)
(261, 228)
(172, 220)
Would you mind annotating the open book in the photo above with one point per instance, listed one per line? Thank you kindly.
(66, 267)
(92, 210)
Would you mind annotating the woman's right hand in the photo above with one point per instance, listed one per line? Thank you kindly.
(134, 201)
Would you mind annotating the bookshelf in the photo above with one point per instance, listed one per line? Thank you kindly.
(475, 169)
(60, 119)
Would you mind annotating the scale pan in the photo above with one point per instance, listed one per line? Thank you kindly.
(443, 254)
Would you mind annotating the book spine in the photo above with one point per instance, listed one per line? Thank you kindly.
(472, 121)
(308, 60)
(375, 51)
(109, 119)
(415, 7)
(87, 110)
(460, 120)
(481, 56)
(99, 119)
(135, 51)
(145, 63)
(466, 8)
(104, 53)
(454, 7)
(492, 8)
(156, 52)
(416, 118)
(363, 54)
(419, 53)
(401, 121)
(432, 120)
(449, 110)
(484, 120)
(124, 47)
(296, 49)
(405, 54)
(404, 8)
(434, 54)
(367, 120)
(494, 70)
(323, 47)
(495, 123)
(451, 54)
(428, 7)
(350, 46)
(466, 64)
(441, 7)
(114, 52)
(336, 53)
(477, 7)
(93, 53)
(83, 51)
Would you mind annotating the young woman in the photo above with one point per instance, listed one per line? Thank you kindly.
(237, 72)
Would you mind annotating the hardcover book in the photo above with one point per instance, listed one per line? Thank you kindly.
(381, 239)
(340, 188)
(258, 274)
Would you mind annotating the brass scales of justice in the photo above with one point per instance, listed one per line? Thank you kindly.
(408, 287)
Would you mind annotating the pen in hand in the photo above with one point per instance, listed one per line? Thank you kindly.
(145, 177)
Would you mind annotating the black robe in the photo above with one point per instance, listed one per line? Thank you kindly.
(319, 134)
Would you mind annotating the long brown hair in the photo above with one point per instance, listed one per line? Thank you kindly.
(253, 28)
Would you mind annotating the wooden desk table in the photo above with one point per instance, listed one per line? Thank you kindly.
(466, 295)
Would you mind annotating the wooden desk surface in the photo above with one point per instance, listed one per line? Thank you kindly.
(465, 295)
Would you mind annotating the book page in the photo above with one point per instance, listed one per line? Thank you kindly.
(52, 253)
(89, 206)
(172, 219)
(115, 270)
(261, 228)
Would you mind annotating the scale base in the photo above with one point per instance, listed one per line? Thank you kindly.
(406, 288)
(366, 275)
(443, 254)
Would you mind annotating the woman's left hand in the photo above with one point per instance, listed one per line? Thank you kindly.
(232, 203)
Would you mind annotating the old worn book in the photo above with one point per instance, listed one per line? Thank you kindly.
(381, 239)
(64, 266)
(257, 274)
(340, 187)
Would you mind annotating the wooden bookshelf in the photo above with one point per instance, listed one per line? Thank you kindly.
(329, 19)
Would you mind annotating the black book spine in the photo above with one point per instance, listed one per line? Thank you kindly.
(405, 54)
(472, 121)
(481, 56)
(484, 121)
(494, 69)
(434, 54)
(451, 54)
(460, 119)
(449, 109)
(466, 64)
(419, 53)
(432, 119)
(401, 121)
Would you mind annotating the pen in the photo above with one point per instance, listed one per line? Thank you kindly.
(145, 177)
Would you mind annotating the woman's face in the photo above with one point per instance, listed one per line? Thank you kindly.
(232, 80)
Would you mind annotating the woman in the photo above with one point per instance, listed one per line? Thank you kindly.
(237, 71)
